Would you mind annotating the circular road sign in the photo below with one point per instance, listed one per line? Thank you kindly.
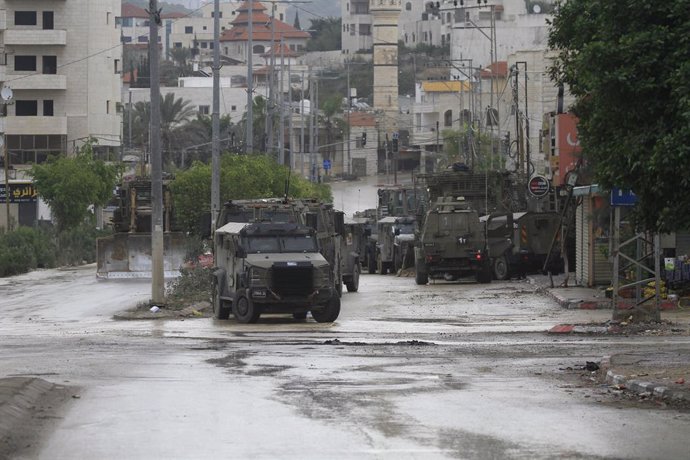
(538, 186)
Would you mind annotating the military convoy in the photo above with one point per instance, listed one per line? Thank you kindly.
(394, 243)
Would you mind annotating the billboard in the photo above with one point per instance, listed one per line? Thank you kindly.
(23, 192)
(567, 146)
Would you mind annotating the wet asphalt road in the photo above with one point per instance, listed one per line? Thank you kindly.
(440, 371)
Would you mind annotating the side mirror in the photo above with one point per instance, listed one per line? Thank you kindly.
(397, 231)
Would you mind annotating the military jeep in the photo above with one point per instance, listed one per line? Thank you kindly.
(270, 267)
(452, 244)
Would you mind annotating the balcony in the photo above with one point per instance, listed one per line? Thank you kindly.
(36, 81)
(35, 37)
(34, 125)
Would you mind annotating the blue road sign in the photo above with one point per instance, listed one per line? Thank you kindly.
(622, 197)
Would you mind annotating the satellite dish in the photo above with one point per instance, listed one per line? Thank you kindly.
(6, 94)
(536, 8)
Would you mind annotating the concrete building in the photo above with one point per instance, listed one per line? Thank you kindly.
(267, 31)
(63, 62)
(196, 31)
(385, 29)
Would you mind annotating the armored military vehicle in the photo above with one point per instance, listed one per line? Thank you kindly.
(395, 241)
(270, 267)
(353, 246)
(519, 243)
(452, 244)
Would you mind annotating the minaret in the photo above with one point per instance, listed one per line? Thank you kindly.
(386, 14)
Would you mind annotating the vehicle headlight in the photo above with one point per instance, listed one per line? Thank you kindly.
(258, 275)
(322, 276)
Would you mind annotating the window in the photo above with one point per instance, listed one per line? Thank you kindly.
(204, 110)
(143, 38)
(48, 108)
(117, 67)
(448, 118)
(189, 29)
(107, 107)
(233, 108)
(408, 6)
(210, 45)
(26, 108)
(49, 65)
(204, 45)
(259, 49)
(365, 29)
(25, 63)
(24, 18)
(126, 22)
(48, 20)
(204, 27)
(126, 39)
(177, 45)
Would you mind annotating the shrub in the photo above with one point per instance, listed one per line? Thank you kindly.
(26, 249)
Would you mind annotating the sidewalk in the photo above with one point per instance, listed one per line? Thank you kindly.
(664, 374)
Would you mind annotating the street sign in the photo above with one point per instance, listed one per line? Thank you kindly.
(396, 135)
(326, 164)
(623, 197)
(538, 186)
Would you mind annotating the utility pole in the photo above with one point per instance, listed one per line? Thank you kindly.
(349, 105)
(312, 158)
(268, 131)
(290, 131)
(215, 120)
(281, 98)
(249, 145)
(157, 275)
(301, 115)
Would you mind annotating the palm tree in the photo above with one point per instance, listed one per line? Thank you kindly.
(259, 108)
(174, 114)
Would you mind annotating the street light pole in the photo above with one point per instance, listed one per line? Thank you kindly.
(157, 242)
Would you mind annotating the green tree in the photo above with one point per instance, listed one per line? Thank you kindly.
(325, 35)
(627, 63)
(469, 147)
(241, 177)
(259, 107)
(69, 185)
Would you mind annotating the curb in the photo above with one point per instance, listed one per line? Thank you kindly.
(21, 396)
(639, 386)
(573, 304)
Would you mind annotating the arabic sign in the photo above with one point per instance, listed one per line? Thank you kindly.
(19, 193)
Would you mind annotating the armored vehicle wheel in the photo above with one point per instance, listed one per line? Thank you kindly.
(371, 264)
(397, 263)
(329, 312)
(381, 267)
(484, 274)
(353, 285)
(244, 309)
(501, 268)
(420, 274)
(221, 310)
(300, 315)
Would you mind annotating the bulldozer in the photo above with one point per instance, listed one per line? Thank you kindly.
(127, 252)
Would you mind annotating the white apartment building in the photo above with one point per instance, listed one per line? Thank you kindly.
(465, 25)
(62, 60)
